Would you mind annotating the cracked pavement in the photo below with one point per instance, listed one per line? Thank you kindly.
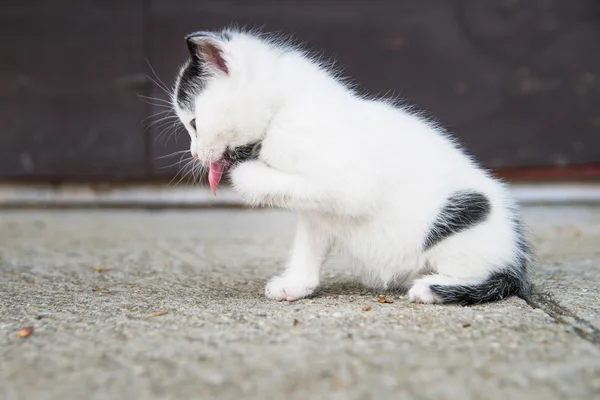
(169, 304)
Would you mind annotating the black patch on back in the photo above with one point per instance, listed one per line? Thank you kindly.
(462, 210)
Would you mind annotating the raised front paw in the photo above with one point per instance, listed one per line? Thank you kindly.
(289, 288)
(249, 181)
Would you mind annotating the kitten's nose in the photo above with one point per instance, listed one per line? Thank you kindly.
(195, 155)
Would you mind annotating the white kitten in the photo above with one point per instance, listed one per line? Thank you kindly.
(387, 186)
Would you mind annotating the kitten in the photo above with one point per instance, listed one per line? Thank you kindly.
(387, 186)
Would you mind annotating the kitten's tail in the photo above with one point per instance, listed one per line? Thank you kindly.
(509, 281)
(499, 285)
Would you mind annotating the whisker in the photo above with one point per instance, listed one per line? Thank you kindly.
(181, 171)
(164, 87)
(159, 86)
(174, 133)
(155, 104)
(198, 170)
(162, 126)
(187, 170)
(169, 127)
(160, 113)
(181, 159)
(175, 153)
(156, 99)
(167, 118)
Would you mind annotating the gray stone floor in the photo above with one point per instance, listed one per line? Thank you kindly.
(87, 282)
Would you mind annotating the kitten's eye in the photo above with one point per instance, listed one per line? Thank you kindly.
(193, 123)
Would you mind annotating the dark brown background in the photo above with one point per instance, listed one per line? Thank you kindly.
(517, 81)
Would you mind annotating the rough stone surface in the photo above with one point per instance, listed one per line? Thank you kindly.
(87, 282)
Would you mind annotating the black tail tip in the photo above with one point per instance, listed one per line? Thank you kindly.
(498, 286)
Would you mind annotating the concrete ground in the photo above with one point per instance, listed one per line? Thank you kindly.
(92, 282)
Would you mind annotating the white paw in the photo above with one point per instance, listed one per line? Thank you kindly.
(289, 288)
(421, 293)
(245, 172)
(246, 179)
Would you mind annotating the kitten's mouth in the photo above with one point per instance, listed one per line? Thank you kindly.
(231, 157)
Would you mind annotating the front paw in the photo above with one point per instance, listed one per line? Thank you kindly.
(289, 288)
(246, 180)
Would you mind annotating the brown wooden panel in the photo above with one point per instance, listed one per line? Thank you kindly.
(71, 71)
(548, 109)
(517, 81)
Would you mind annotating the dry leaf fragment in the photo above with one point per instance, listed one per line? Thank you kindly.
(296, 322)
(369, 308)
(25, 332)
(337, 384)
(99, 289)
(157, 314)
(467, 325)
(384, 300)
(101, 269)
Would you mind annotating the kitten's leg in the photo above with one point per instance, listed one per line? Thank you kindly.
(260, 184)
(301, 277)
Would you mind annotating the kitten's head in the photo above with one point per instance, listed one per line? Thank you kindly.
(219, 93)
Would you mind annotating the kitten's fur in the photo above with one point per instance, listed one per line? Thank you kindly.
(389, 187)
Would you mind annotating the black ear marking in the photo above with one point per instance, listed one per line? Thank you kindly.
(207, 47)
(191, 41)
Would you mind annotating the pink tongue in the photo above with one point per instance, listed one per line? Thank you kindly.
(214, 175)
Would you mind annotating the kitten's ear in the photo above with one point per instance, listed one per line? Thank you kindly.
(208, 48)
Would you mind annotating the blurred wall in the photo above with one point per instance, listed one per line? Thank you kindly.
(517, 81)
